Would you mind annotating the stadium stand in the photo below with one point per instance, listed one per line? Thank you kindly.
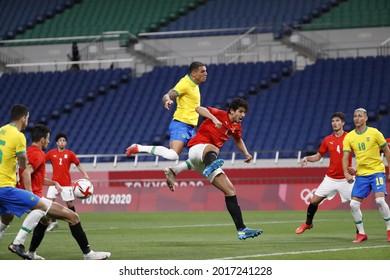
(18, 16)
(288, 111)
(110, 109)
(93, 17)
(353, 14)
(122, 111)
(268, 16)
(63, 18)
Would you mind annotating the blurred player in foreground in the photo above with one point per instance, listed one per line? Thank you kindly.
(334, 181)
(204, 150)
(366, 143)
(61, 160)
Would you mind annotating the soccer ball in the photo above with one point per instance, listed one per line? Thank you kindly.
(83, 188)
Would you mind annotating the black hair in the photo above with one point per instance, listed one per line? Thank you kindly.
(61, 135)
(195, 65)
(237, 103)
(18, 111)
(39, 131)
(338, 115)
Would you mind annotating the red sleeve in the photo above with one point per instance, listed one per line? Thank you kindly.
(74, 158)
(48, 155)
(34, 159)
(214, 111)
(323, 148)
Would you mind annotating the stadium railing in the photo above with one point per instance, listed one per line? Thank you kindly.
(232, 159)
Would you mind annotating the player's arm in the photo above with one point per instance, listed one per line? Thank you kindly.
(345, 163)
(312, 158)
(386, 151)
(168, 98)
(204, 112)
(22, 160)
(242, 147)
(26, 177)
(82, 171)
(48, 182)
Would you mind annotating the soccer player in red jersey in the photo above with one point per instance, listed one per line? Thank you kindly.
(61, 160)
(334, 181)
(33, 178)
(204, 149)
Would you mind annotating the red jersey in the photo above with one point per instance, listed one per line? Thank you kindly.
(36, 157)
(208, 134)
(388, 142)
(334, 145)
(61, 162)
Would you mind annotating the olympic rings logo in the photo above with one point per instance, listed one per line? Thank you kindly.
(307, 194)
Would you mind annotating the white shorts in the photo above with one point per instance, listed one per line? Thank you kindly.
(195, 156)
(330, 187)
(66, 194)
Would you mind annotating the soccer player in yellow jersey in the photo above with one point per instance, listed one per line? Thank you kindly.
(366, 143)
(185, 119)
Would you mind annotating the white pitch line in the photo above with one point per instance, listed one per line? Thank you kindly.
(302, 252)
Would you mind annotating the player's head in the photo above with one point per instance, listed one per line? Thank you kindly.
(61, 140)
(198, 72)
(237, 109)
(361, 110)
(338, 121)
(40, 135)
(61, 135)
(20, 112)
(360, 117)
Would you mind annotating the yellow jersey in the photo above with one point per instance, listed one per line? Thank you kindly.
(366, 147)
(187, 100)
(12, 143)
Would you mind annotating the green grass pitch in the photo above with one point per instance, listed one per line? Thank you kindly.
(211, 235)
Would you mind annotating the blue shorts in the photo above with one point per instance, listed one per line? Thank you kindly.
(181, 131)
(16, 201)
(364, 184)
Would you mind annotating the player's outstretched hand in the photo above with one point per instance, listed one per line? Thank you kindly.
(248, 158)
(168, 104)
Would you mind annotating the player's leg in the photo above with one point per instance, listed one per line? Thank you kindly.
(321, 193)
(179, 132)
(70, 205)
(222, 182)
(52, 193)
(210, 160)
(5, 222)
(171, 172)
(153, 150)
(310, 212)
(361, 189)
(60, 212)
(385, 212)
(358, 219)
(37, 237)
(39, 208)
(380, 192)
(67, 195)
